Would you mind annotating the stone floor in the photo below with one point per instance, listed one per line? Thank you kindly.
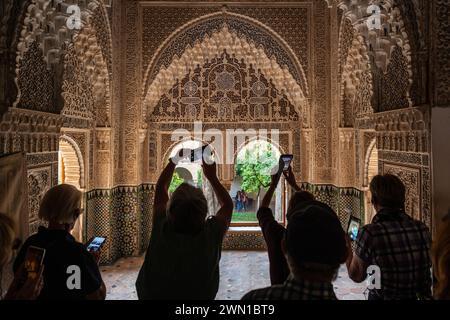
(240, 272)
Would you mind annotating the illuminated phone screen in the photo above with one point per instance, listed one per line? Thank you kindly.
(353, 228)
(197, 154)
(33, 261)
(287, 159)
(96, 244)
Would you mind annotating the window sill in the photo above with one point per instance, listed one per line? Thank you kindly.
(245, 229)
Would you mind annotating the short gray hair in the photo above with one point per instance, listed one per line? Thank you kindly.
(60, 204)
(187, 209)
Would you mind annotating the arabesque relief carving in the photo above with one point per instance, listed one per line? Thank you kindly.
(134, 71)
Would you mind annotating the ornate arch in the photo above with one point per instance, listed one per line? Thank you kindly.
(44, 24)
(238, 35)
(86, 78)
(356, 83)
(224, 90)
(100, 22)
(381, 44)
(367, 161)
(73, 155)
(276, 144)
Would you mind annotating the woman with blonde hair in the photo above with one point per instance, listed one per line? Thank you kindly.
(441, 261)
(22, 287)
(65, 259)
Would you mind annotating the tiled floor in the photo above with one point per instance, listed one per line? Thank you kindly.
(240, 272)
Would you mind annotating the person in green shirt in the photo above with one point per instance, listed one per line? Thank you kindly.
(182, 259)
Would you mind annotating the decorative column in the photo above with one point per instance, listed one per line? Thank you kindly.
(143, 156)
(306, 155)
(346, 167)
(103, 172)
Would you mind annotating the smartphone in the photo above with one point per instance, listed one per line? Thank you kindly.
(33, 261)
(287, 159)
(198, 155)
(96, 243)
(353, 227)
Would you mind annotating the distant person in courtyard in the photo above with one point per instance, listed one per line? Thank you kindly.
(273, 231)
(182, 259)
(395, 242)
(441, 261)
(61, 207)
(239, 201)
(314, 245)
(22, 286)
(244, 201)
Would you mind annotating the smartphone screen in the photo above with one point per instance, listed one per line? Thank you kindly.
(353, 228)
(96, 243)
(33, 261)
(203, 153)
(287, 159)
(197, 154)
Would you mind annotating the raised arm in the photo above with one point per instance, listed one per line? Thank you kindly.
(290, 178)
(162, 190)
(356, 267)
(226, 203)
(265, 203)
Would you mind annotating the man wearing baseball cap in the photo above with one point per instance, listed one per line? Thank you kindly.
(315, 247)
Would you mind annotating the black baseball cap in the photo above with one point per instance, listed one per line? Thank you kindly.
(314, 234)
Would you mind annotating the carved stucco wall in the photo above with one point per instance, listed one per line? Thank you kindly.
(56, 83)
(441, 106)
(441, 51)
(93, 85)
(376, 87)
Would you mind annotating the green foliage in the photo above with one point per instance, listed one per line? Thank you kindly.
(176, 182)
(244, 217)
(254, 167)
(199, 179)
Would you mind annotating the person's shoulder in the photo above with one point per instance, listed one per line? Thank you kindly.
(212, 224)
(32, 239)
(263, 211)
(422, 227)
(370, 229)
(71, 246)
(211, 220)
(258, 294)
(420, 224)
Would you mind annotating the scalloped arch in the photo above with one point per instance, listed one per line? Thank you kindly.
(214, 45)
(72, 153)
(356, 64)
(221, 18)
(85, 44)
(380, 45)
(45, 24)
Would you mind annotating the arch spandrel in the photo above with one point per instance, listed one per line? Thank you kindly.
(225, 89)
(268, 53)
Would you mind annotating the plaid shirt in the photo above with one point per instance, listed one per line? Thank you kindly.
(294, 290)
(400, 246)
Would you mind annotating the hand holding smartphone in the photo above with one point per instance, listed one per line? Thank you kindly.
(284, 164)
(287, 159)
(95, 244)
(34, 259)
(202, 154)
(353, 227)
